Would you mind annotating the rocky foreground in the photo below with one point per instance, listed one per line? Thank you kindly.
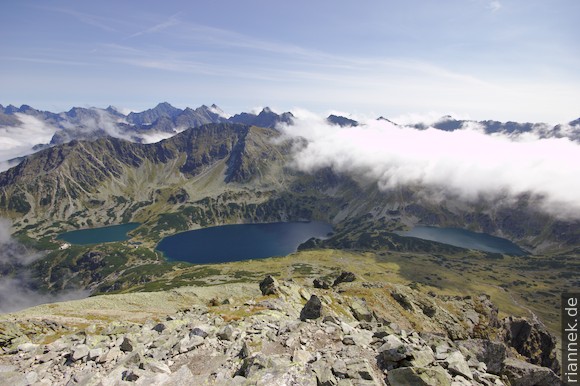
(350, 332)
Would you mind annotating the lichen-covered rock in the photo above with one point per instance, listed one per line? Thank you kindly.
(360, 311)
(418, 376)
(522, 373)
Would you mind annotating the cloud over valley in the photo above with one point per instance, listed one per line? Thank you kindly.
(467, 163)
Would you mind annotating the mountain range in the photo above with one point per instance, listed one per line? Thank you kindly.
(165, 120)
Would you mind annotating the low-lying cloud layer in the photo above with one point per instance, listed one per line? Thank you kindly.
(465, 163)
(16, 287)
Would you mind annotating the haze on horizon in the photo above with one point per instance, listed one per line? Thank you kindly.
(480, 59)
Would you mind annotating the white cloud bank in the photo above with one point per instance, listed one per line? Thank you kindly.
(17, 141)
(464, 163)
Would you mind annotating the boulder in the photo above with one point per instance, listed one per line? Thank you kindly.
(403, 300)
(522, 373)
(126, 345)
(393, 350)
(491, 353)
(269, 286)
(226, 332)
(359, 368)
(419, 376)
(360, 311)
(80, 352)
(323, 372)
(457, 365)
(312, 309)
(321, 283)
(345, 277)
(533, 341)
(198, 332)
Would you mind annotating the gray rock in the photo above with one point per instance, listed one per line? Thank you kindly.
(269, 286)
(27, 347)
(312, 309)
(159, 327)
(246, 350)
(126, 345)
(533, 341)
(339, 368)
(110, 356)
(187, 344)
(226, 332)
(360, 311)
(95, 353)
(359, 368)
(345, 277)
(421, 357)
(199, 332)
(80, 352)
(324, 376)
(419, 376)
(457, 365)
(491, 353)
(393, 350)
(302, 356)
(348, 340)
(321, 283)
(156, 367)
(522, 373)
(403, 300)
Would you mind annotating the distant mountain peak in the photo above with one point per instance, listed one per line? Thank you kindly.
(381, 118)
(341, 121)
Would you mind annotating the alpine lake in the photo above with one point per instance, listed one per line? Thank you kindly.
(465, 239)
(226, 243)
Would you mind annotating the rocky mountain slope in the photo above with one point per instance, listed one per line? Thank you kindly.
(351, 332)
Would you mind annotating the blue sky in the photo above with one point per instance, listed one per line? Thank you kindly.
(482, 59)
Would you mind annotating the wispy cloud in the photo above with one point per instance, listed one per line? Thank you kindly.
(172, 21)
(50, 61)
(93, 20)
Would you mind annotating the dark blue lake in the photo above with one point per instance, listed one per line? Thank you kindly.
(465, 239)
(99, 235)
(240, 242)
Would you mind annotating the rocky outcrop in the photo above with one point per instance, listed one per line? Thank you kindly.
(533, 341)
(269, 286)
(345, 277)
(336, 338)
(312, 309)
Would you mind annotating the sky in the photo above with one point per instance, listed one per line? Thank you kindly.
(481, 59)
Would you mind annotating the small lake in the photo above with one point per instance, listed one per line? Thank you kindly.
(465, 239)
(99, 235)
(227, 243)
